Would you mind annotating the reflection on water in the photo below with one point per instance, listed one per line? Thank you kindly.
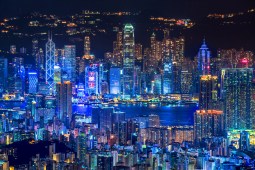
(169, 114)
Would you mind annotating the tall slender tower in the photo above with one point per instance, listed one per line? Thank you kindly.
(86, 45)
(128, 60)
(204, 56)
(50, 62)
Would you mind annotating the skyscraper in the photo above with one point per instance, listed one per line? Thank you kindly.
(50, 62)
(204, 56)
(208, 124)
(115, 80)
(208, 92)
(236, 86)
(69, 63)
(33, 81)
(86, 46)
(128, 61)
(64, 100)
(92, 79)
(167, 75)
(3, 74)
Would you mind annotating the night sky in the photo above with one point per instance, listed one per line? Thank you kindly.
(176, 8)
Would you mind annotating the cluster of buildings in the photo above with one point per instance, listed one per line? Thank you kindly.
(37, 103)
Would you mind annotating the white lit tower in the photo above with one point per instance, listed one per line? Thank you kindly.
(128, 60)
(50, 62)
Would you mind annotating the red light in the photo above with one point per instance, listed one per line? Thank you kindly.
(244, 61)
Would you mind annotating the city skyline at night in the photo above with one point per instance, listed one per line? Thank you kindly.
(127, 85)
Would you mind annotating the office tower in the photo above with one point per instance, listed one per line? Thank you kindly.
(81, 146)
(115, 80)
(167, 75)
(35, 53)
(128, 61)
(208, 95)
(33, 81)
(105, 119)
(102, 75)
(3, 75)
(13, 49)
(208, 124)
(236, 85)
(153, 57)
(137, 80)
(120, 130)
(138, 52)
(203, 56)
(157, 84)
(86, 46)
(176, 77)
(104, 88)
(92, 79)
(57, 74)
(64, 100)
(50, 62)
(177, 49)
(69, 63)
(118, 50)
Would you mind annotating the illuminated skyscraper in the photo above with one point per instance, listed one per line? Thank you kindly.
(138, 52)
(236, 86)
(33, 81)
(208, 124)
(137, 80)
(69, 63)
(167, 75)
(128, 61)
(86, 45)
(204, 56)
(92, 79)
(35, 52)
(3, 74)
(208, 92)
(64, 100)
(50, 62)
(115, 80)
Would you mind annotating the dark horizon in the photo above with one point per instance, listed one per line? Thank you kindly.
(173, 8)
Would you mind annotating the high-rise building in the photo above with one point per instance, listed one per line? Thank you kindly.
(50, 62)
(69, 63)
(138, 52)
(137, 80)
(208, 124)
(118, 50)
(204, 56)
(33, 82)
(236, 86)
(157, 84)
(128, 61)
(86, 45)
(167, 76)
(115, 80)
(64, 100)
(35, 53)
(3, 74)
(208, 95)
(92, 79)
